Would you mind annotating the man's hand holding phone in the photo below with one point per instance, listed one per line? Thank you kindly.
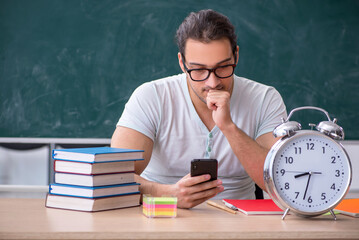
(197, 187)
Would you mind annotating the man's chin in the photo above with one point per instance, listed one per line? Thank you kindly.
(203, 99)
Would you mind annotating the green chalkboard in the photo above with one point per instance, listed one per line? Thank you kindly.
(68, 67)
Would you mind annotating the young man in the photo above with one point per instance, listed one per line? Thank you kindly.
(205, 112)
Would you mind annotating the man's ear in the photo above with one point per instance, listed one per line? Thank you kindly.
(180, 62)
(237, 54)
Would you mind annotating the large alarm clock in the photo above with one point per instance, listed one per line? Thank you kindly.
(307, 172)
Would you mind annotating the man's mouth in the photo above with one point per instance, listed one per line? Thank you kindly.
(207, 89)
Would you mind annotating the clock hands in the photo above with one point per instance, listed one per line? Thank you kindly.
(301, 175)
(306, 188)
(306, 173)
(309, 177)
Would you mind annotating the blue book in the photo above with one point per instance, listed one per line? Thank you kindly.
(94, 192)
(97, 154)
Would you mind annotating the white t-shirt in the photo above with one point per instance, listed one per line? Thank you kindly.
(163, 111)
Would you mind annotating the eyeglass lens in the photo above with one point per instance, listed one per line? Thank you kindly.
(203, 74)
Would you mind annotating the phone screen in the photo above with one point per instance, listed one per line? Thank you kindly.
(204, 166)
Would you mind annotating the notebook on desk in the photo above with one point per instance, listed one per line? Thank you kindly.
(349, 207)
(253, 207)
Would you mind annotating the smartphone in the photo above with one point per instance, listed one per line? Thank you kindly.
(204, 166)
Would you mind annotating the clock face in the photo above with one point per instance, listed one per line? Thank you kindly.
(311, 172)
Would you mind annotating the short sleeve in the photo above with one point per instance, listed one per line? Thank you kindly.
(142, 111)
(272, 111)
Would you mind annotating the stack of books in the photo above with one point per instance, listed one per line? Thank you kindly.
(94, 179)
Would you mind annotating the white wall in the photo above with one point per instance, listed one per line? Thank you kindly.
(24, 167)
(352, 148)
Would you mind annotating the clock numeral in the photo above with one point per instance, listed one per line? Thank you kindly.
(282, 171)
(323, 150)
(323, 197)
(333, 186)
(298, 150)
(296, 195)
(310, 200)
(334, 160)
(310, 146)
(286, 186)
(337, 173)
(289, 160)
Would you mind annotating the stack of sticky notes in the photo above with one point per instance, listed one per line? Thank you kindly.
(159, 206)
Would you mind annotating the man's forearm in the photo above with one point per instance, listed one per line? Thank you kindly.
(153, 188)
(249, 152)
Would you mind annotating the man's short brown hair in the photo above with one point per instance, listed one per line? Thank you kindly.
(205, 26)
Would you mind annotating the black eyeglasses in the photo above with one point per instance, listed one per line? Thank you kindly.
(202, 74)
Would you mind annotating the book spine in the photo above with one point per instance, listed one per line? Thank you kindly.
(98, 197)
(93, 162)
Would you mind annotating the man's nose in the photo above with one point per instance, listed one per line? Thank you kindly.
(212, 81)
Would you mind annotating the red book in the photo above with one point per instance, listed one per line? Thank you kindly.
(250, 207)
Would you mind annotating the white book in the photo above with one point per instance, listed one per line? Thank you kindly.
(94, 168)
(94, 180)
(92, 205)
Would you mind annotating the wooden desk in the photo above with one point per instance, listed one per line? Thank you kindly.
(29, 219)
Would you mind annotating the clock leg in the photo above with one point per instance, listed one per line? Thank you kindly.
(333, 214)
(285, 213)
